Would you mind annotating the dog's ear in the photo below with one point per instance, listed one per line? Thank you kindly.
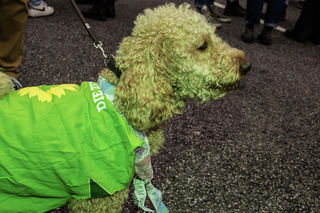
(144, 93)
(145, 96)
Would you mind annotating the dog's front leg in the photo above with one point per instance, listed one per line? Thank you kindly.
(156, 140)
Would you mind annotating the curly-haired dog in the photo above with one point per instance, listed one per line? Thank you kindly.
(172, 55)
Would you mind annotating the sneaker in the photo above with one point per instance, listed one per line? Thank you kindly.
(16, 84)
(40, 10)
(206, 13)
(218, 16)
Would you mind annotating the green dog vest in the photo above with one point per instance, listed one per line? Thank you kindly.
(61, 142)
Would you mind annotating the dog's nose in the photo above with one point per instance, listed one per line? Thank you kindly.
(245, 67)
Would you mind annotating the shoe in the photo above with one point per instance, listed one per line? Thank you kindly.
(101, 11)
(216, 15)
(209, 18)
(40, 10)
(295, 36)
(248, 35)
(234, 9)
(16, 84)
(265, 36)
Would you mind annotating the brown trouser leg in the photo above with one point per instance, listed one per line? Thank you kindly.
(13, 18)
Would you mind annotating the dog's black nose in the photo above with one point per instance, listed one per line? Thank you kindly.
(245, 67)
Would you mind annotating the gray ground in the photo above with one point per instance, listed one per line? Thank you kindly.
(255, 150)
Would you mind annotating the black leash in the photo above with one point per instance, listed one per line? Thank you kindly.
(108, 60)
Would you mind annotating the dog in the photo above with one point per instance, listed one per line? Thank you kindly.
(172, 55)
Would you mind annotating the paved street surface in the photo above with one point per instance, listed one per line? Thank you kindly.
(255, 150)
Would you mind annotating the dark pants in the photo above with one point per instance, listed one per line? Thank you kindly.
(13, 17)
(274, 10)
(308, 24)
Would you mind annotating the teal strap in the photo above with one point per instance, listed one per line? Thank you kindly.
(141, 189)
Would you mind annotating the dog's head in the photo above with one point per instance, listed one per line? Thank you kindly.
(173, 55)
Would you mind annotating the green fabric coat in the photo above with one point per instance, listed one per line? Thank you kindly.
(61, 142)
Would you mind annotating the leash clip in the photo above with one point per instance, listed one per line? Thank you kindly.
(98, 45)
(111, 64)
(109, 61)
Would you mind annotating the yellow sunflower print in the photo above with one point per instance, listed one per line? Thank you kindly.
(43, 96)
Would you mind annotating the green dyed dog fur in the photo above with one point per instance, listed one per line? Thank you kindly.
(172, 55)
(5, 84)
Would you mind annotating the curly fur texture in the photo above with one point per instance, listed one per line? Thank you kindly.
(5, 84)
(111, 204)
(172, 55)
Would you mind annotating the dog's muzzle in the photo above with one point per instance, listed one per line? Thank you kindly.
(244, 69)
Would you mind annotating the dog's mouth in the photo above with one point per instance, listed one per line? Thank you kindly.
(226, 87)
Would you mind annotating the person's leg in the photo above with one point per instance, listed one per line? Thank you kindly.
(274, 11)
(233, 8)
(101, 10)
(303, 26)
(315, 28)
(304, 23)
(35, 2)
(254, 11)
(253, 14)
(13, 19)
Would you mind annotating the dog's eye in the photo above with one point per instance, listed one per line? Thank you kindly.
(203, 47)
